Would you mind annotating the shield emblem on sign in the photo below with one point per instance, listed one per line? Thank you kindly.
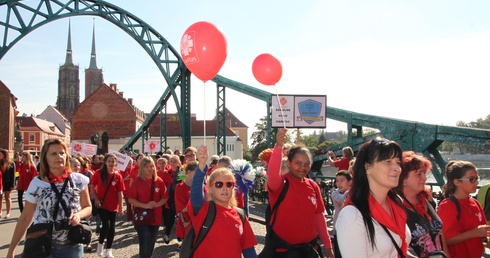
(309, 108)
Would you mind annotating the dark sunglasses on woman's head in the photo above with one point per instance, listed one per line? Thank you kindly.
(378, 140)
(219, 184)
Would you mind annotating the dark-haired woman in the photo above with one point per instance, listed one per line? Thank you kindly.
(299, 219)
(422, 219)
(465, 235)
(372, 222)
(107, 188)
(7, 180)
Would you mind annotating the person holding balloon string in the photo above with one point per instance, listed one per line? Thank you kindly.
(302, 203)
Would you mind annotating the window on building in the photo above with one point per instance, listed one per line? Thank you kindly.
(32, 138)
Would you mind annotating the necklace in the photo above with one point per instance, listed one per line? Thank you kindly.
(471, 210)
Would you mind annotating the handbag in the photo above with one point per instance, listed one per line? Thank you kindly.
(145, 216)
(81, 233)
(95, 210)
(38, 240)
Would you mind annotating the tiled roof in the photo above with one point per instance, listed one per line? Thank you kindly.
(197, 128)
(232, 120)
(36, 124)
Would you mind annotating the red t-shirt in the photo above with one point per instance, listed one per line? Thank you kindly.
(26, 174)
(471, 216)
(134, 171)
(140, 191)
(111, 201)
(342, 164)
(227, 237)
(182, 196)
(167, 178)
(301, 206)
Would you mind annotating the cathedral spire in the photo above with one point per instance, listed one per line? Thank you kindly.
(93, 61)
(69, 58)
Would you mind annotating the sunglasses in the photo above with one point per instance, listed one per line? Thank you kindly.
(219, 184)
(471, 179)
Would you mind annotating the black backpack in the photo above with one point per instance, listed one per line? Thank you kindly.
(191, 242)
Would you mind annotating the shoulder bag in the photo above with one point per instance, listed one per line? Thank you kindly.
(95, 210)
(145, 216)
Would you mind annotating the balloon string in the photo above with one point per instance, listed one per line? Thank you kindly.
(279, 104)
(204, 108)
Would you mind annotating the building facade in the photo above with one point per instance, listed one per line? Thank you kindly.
(7, 116)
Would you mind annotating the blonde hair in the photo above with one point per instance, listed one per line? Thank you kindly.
(29, 158)
(141, 171)
(222, 172)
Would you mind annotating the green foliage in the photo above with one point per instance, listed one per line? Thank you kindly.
(462, 148)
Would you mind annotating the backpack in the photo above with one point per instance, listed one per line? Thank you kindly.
(191, 242)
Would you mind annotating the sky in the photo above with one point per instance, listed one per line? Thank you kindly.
(424, 61)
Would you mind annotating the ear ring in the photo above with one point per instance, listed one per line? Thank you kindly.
(404, 184)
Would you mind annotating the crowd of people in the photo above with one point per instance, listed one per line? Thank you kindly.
(383, 207)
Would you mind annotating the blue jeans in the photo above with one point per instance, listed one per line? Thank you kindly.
(62, 251)
(147, 236)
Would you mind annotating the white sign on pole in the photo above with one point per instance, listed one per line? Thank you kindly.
(122, 159)
(81, 148)
(300, 111)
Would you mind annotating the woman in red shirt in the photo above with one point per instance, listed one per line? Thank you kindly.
(465, 235)
(169, 208)
(107, 186)
(140, 197)
(27, 171)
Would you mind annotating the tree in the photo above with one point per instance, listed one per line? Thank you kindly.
(322, 137)
(259, 139)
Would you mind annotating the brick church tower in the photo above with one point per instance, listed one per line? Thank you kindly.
(93, 76)
(68, 83)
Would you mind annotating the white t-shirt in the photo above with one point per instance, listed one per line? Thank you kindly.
(352, 236)
(338, 199)
(41, 194)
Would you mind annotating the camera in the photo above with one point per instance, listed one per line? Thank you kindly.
(62, 224)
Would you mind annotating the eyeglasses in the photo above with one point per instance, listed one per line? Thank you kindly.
(219, 184)
(471, 179)
(190, 155)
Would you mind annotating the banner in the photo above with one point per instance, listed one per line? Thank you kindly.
(122, 159)
(81, 148)
(152, 146)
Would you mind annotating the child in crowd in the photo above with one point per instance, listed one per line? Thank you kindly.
(182, 195)
(467, 233)
(343, 180)
(228, 236)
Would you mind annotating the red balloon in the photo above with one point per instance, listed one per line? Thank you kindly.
(267, 69)
(203, 48)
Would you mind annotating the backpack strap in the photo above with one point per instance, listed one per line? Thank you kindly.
(281, 197)
(241, 213)
(458, 208)
(208, 222)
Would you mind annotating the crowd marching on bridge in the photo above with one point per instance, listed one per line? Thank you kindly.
(383, 207)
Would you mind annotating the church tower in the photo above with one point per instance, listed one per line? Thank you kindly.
(68, 83)
(93, 76)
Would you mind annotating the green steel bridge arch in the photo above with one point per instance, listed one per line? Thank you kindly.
(22, 17)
